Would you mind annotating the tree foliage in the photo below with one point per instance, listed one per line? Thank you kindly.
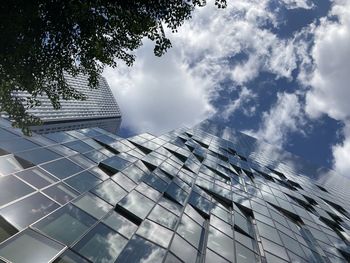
(43, 39)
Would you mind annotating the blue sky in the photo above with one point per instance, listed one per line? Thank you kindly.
(275, 69)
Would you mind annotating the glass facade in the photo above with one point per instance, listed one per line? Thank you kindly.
(99, 109)
(204, 194)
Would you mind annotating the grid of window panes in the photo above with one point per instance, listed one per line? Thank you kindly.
(100, 109)
(186, 196)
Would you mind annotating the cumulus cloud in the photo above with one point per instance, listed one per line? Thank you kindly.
(244, 96)
(341, 153)
(329, 81)
(331, 77)
(156, 95)
(284, 117)
(291, 4)
(159, 94)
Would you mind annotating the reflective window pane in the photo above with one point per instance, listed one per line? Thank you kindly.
(220, 243)
(183, 250)
(62, 168)
(110, 192)
(18, 145)
(38, 156)
(244, 255)
(163, 217)
(190, 230)
(66, 224)
(136, 206)
(212, 257)
(101, 244)
(37, 177)
(6, 230)
(78, 146)
(120, 224)
(11, 164)
(11, 188)
(29, 247)
(114, 164)
(155, 233)
(83, 181)
(70, 257)
(93, 205)
(61, 193)
(141, 250)
(26, 211)
(176, 193)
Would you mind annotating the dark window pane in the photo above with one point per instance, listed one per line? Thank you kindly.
(141, 250)
(163, 217)
(114, 164)
(110, 192)
(6, 135)
(155, 233)
(101, 244)
(11, 188)
(183, 250)
(59, 137)
(83, 181)
(201, 203)
(66, 224)
(38, 156)
(120, 224)
(135, 206)
(79, 146)
(61, 193)
(6, 230)
(242, 224)
(26, 211)
(29, 247)
(70, 257)
(37, 177)
(155, 182)
(220, 243)
(62, 168)
(176, 193)
(93, 205)
(17, 145)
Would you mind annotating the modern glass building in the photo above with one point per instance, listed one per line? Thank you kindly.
(201, 194)
(100, 109)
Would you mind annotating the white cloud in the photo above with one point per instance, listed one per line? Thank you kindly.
(159, 94)
(291, 4)
(331, 53)
(244, 96)
(284, 117)
(329, 81)
(341, 154)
